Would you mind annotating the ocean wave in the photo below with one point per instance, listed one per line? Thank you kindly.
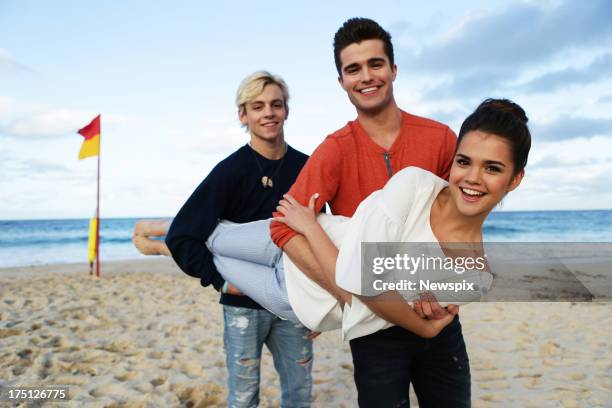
(495, 229)
(37, 241)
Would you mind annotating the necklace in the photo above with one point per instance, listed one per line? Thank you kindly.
(266, 181)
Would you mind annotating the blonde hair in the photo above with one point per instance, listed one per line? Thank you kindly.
(254, 84)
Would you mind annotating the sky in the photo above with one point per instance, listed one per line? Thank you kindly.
(163, 75)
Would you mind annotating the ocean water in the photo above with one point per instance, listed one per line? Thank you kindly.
(549, 226)
(36, 242)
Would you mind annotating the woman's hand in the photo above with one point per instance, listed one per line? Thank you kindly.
(296, 216)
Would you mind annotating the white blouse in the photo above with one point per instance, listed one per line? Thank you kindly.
(399, 212)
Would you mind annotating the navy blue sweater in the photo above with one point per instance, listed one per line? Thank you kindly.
(232, 191)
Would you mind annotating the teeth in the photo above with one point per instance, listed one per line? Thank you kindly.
(367, 90)
(471, 192)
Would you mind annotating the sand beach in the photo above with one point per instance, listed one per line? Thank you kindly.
(147, 335)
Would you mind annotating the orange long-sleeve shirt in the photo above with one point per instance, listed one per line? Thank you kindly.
(348, 166)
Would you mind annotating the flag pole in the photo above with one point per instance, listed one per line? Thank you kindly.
(91, 147)
(98, 211)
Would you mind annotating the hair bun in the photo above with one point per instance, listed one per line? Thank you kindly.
(507, 106)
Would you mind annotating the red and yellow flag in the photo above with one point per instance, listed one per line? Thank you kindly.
(91, 144)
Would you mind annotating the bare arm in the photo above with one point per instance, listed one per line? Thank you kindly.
(392, 307)
(312, 251)
(327, 254)
(302, 255)
(299, 251)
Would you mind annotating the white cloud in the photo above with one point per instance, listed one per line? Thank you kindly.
(522, 49)
(523, 34)
(598, 68)
(9, 65)
(571, 152)
(47, 123)
(31, 121)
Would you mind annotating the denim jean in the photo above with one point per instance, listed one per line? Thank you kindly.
(386, 362)
(245, 333)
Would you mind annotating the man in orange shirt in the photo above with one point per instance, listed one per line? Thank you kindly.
(349, 165)
(359, 158)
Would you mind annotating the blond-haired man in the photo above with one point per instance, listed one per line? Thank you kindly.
(244, 187)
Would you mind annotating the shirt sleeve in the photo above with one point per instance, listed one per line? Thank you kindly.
(320, 174)
(194, 223)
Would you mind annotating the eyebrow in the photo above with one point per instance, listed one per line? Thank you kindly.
(356, 64)
(350, 66)
(376, 59)
(264, 102)
(463, 156)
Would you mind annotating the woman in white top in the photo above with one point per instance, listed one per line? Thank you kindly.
(492, 150)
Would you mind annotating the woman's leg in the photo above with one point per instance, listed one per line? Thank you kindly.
(263, 284)
(246, 257)
(249, 241)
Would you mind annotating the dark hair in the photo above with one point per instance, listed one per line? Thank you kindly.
(505, 119)
(356, 30)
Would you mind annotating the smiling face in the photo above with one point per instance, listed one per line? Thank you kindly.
(265, 115)
(482, 173)
(367, 76)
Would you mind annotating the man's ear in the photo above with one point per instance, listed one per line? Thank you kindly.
(242, 115)
(340, 81)
(516, 180)
(393, 72)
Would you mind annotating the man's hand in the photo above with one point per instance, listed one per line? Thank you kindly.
(438, 314)
(395, 310)
(429, 308)
(434, 327)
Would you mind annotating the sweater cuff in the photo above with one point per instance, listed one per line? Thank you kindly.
(217, 282)
(286, 238)
(281, 233)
